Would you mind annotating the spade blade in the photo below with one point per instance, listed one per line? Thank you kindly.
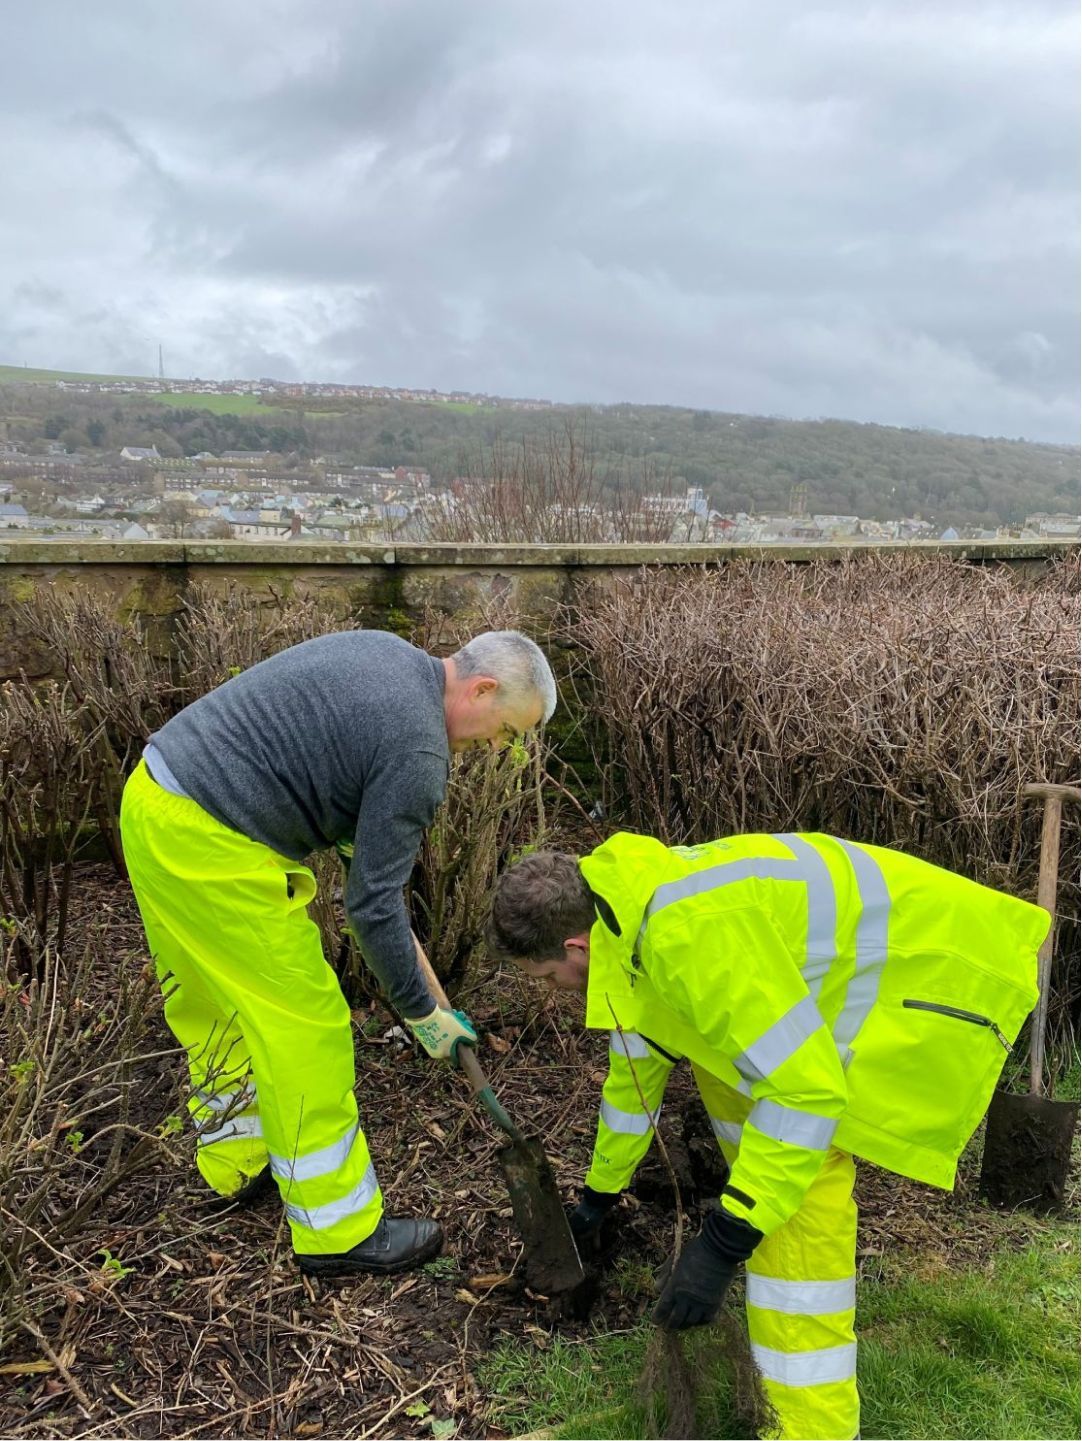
(552, 1262)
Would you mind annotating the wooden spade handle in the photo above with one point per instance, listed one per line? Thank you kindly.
(1047, 790)
(466, 1056)
(1053, 797)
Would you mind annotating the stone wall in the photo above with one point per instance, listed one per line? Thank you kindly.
(387, 586)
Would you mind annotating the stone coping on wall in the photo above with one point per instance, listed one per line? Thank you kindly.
(33, 552)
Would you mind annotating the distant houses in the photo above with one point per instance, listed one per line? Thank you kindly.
(267, 496)
(253, 524)
(1053, 527)
(246, 457)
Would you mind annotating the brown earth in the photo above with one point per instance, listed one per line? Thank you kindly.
(211, 1331)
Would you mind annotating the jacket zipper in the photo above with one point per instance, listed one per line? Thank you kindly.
(959, 1015)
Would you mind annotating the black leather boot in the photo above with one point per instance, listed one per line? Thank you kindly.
(397, 1244)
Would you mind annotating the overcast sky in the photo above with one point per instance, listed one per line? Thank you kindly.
(802, 209)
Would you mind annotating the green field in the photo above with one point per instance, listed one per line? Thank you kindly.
(219, 404)
(179, 399)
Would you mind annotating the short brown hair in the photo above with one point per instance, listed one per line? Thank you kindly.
(539, 902)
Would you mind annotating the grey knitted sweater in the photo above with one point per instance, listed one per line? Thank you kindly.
(341, 738)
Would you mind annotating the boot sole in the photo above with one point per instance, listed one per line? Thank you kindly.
(341, 1268)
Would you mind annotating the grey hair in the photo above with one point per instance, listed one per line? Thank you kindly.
(513, 660)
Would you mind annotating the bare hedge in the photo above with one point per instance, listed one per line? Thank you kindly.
(900, 700)
(68, 744)
(903, 701)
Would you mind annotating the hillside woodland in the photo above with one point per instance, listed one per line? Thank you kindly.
(743, 463)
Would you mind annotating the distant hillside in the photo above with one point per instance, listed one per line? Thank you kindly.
(27, 375)
(743, 462)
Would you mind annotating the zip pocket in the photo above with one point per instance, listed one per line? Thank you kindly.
(959, 1015)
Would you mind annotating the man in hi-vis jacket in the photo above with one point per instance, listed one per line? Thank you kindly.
(834, 1000)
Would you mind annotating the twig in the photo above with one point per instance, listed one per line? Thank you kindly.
(678, 1240)
(85, 1404)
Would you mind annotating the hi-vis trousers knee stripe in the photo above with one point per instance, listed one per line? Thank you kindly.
(801, 1280)
(624, 1129)
(801, 1291)
(259, 1012)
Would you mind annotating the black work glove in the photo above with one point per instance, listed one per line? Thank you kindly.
(588, 1216)
(696, 1286)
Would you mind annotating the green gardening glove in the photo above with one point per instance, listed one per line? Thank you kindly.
(442, 1032)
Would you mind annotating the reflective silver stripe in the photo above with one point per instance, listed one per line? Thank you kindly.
(628, 1123)
(727, 1130)
(637, 1048)
(807, 1368)
(802, 1298)
(796, 1128)
(871, 944)
(235, 1129)
(318, 1218)
(316, 1163)
(779, 1041)
(822, 944)
(222, 1100)
(763, 868)
(807, 865)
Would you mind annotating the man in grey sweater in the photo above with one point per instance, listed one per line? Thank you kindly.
(343, 740)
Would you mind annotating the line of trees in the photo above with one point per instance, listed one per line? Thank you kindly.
(744, 463)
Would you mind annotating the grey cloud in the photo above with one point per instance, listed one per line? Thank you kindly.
(839, 208)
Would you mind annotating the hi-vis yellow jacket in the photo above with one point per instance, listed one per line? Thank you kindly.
(861, 998)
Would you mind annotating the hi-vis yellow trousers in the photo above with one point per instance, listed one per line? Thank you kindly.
(801, 1279)
(259, 1012)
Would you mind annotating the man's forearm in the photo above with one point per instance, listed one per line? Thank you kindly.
(387, 946)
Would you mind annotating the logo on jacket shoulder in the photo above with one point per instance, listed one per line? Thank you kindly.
(699, 853)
